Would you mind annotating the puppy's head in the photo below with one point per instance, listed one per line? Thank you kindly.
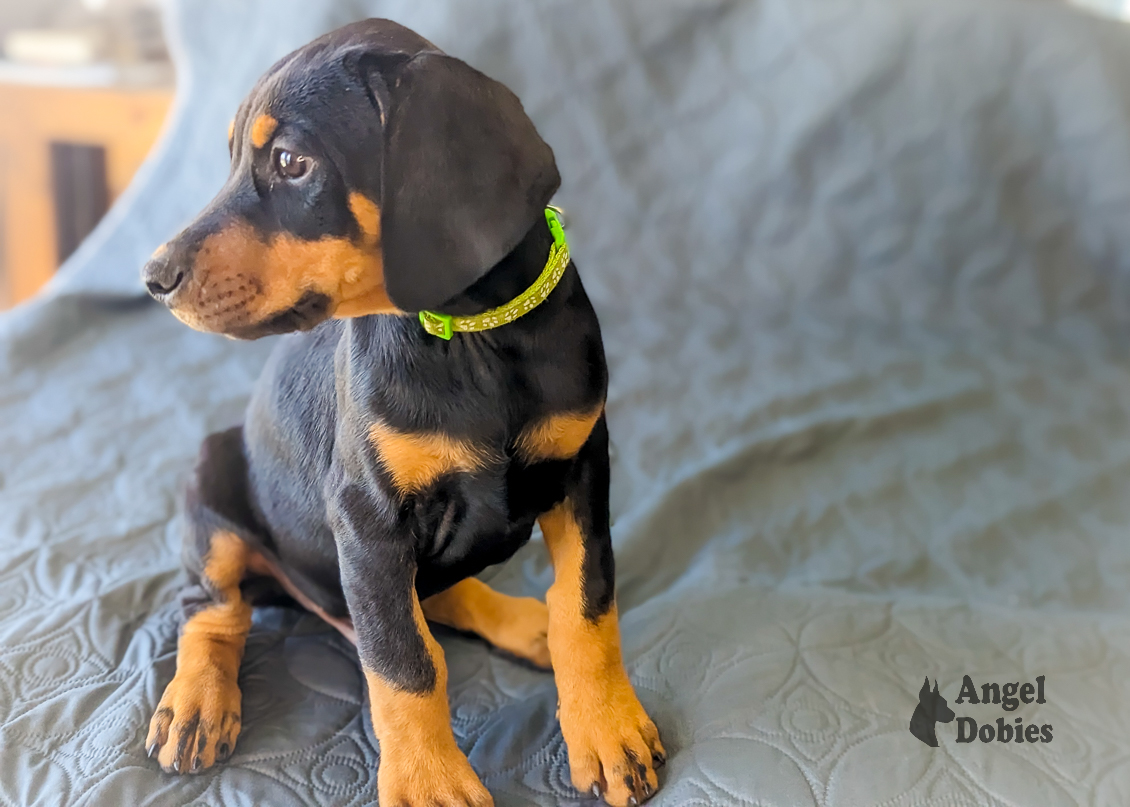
(369, 173)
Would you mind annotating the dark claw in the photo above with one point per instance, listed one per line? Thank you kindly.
(152, 750)
(196, 763)
(176, 764)
(648, 790)
(595, 790)
(659, 760)
(633, 801)
(224, 751)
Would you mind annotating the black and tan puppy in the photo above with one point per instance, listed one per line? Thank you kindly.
(381, 466)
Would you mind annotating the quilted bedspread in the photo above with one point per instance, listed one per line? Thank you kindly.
(863, 270)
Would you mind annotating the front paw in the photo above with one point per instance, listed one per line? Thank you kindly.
(196, 722)
(418, 777)
(614, 748)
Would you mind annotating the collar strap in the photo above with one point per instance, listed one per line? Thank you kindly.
(444, 325)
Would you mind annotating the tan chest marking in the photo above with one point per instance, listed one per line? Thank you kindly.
(557, 437)
(415, 460)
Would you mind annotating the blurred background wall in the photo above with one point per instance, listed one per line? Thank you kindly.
(85, 86)
(84, 89)
(1118, 8)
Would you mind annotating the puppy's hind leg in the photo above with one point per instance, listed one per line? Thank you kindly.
(198, 719)
(518, 625)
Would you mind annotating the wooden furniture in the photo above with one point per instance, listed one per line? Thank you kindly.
(124, 121)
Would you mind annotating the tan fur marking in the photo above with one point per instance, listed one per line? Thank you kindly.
(368, 216)
(231, 130)
(557, 437)
(262, 129)
(375, 301)
(420, 762)
(203, 699)
(239, 279)
(606, 730)
(260, 564)
(416, 460)
(518, 625)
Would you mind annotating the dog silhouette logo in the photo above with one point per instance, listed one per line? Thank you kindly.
(931, 709)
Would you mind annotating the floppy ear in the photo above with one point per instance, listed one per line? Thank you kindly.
(465, 176)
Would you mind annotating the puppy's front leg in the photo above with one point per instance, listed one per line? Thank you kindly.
(613, 745)
(421, 766)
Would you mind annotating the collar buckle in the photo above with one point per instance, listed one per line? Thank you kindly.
(437, 324)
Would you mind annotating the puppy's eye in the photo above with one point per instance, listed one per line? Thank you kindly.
(290, 165)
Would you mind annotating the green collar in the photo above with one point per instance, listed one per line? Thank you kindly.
(444, 325)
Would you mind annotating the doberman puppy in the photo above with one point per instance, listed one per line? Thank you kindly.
(440, 389)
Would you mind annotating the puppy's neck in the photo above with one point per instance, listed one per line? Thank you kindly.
(509, 277)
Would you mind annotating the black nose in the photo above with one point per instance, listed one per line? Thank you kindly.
(162, 276)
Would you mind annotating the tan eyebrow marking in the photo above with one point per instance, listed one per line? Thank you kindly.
(231, 130)
(262, 130)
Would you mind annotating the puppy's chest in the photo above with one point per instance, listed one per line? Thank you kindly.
(486, 416)
(469, 498)
(414, 461)
(469, 503)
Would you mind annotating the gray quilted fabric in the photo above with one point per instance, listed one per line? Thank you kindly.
(864, 273)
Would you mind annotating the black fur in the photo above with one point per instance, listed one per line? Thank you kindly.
(464, 232)
(443, 224)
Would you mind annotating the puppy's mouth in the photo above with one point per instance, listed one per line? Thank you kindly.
(311, 310)
(238, 319)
